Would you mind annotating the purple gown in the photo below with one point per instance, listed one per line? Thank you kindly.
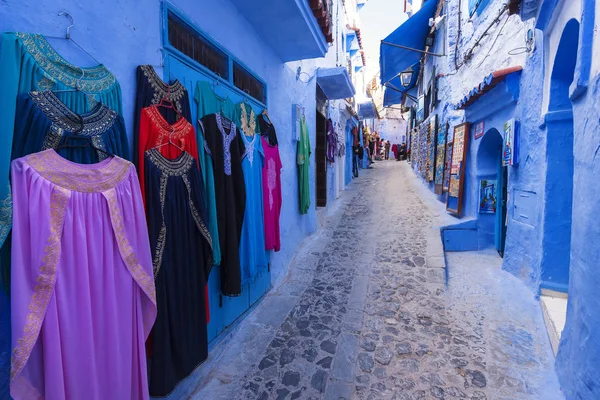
(83, 296)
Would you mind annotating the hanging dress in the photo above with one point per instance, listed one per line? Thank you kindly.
(303, 161)
(253, 255)
(44, 122)
(29, 63)
(271, 176)
(267, 129)
(83, 295)
(245, 119)
(181, 249)
(225, 148)
(150, 91)
(155, 130)
(208, 102)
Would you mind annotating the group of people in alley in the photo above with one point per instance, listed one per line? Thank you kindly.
(375, 148)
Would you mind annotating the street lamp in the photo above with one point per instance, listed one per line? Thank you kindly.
(406, 77)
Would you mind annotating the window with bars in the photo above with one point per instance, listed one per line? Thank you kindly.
(194, 45)
(246, 82)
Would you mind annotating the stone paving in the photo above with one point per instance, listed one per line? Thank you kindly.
(365, 314)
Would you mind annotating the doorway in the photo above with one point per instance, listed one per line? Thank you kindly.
(321, 160)
(556, 242)
(492, 186)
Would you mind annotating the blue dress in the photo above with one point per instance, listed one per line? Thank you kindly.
(253, 255)
(44, 122)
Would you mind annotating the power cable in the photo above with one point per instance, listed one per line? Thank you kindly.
(493, 43)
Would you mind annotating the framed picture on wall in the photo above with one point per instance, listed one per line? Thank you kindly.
(457, 168)
(487, 196)
(479, 127)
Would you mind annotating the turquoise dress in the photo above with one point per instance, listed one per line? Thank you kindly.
(29, 63)
(253, 255)
(207, 102)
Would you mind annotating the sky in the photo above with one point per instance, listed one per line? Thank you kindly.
(378, 18)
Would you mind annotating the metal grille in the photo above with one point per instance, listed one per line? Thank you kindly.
(189, 42)
(246, 82)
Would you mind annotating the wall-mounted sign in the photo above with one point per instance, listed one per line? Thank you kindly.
(479, 128)
(439, 159)
(510, 151)
(421, 108)
(487, 196)
(457, 168)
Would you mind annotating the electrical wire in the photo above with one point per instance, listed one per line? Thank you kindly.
(494, 42)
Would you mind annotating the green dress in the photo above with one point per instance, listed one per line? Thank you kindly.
(303, 160)
(208, 102)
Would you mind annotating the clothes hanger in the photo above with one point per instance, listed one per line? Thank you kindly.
(68, 35)
(163, 66)
(165, 102)
(266, 114)
(170, 142)
(87, 139)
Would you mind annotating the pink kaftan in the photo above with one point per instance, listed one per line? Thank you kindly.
(271, 176)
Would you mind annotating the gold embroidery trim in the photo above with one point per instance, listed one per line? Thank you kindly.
(196, 215)
(162, 235)
(144, 280)
(68, 175)
(44, 287)
(94, 80)
(179, 129)
(248, 126)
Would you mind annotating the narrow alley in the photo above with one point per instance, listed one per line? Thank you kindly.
(365, 314)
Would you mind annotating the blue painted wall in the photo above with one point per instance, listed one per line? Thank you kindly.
(123, 34)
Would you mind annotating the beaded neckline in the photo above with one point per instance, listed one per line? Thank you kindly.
(94, 79)
(174, 90)
(97, 121)
(180, 125)
(177, 166)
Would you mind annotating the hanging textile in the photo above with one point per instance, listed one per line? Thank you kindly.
(267, 129)
(207, 102)
(303, 161)
(82, 280)
(271, 177)
(225, 148)
(246, 120)
(150, 91)
(331, 142)
(155, 131)
(181, 249)
(44, 122)
(253, 255)
(29, 63)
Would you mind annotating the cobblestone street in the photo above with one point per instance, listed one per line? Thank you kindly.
(365, 313)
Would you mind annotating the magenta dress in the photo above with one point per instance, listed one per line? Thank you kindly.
(83, 296)
(271, 175)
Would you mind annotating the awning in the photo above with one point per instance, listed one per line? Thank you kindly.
(411, 33)
(488, 83)
(394, 91)
(335, 83)
(366, 110)
(288, 27)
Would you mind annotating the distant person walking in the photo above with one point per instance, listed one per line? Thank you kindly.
(387, 149)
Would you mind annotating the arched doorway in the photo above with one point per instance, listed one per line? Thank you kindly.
(491, 186)
(556, 243)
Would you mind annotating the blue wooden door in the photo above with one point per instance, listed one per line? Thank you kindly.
(224, 311)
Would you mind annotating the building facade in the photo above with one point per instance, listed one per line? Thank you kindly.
(299, 66)
(515, 86)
